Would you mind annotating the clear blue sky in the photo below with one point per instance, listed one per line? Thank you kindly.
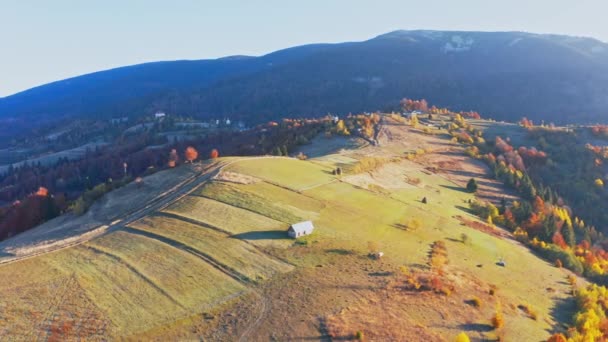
(47, 40)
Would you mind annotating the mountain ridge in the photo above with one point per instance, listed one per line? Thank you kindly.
(543, 76)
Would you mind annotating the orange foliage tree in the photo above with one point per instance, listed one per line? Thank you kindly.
(42, 191)
(191, 154)
(214, 154)
(412, 105)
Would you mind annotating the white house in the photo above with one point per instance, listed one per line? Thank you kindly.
(300, 229)
(159, 115)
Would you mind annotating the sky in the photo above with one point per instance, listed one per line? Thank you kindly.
(43, 41)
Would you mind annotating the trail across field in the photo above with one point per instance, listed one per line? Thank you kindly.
(47, 243)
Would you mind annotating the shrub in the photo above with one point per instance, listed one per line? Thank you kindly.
(438, 256)
(472, 185)
(557, 338)
(476, 302)
(526, 308)
(462, 337)
(498, 320)
(493, 289)
(359, 335)
(413, 224)
(465, 238)
(414, 180)
(366, 164)
(567, 258)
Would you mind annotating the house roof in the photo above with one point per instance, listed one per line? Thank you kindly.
(302, 226)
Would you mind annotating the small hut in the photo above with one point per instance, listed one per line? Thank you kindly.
(300, 229)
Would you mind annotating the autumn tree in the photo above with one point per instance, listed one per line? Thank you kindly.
(42, 191)
(462, 337)
(173, 158)
(412, 105)
(341, 128)
(498, 320)
(214, 154)
(538, 204)
(191, 154)
(414, 120)
(599, 183)
(557, 338)
(526, 123)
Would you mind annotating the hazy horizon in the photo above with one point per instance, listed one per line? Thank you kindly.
(53, 41)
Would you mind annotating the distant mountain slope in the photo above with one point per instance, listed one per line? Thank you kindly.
(505, 75)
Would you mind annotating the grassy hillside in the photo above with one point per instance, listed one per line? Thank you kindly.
(217, 264)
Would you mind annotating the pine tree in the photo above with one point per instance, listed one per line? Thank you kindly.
(472, 185)
(549, 228)
(569, 237)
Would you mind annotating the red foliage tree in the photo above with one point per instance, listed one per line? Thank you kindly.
(42, 191)
(558, 239)
(539, 204)
(412, 105)
(509, 218)
(214, 154)
(526, 123)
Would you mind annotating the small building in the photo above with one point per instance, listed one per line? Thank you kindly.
(300, 229)
(159, 115)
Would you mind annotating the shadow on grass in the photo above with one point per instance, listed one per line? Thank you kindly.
(465, 209)
(263, 235)
(455, 188)
(339, 251)
(562, 312)
(479, 327)
(401, 226)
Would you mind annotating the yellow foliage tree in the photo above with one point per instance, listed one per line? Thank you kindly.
(498, 320)
(341, 128)
(462, 337)
(414, 120)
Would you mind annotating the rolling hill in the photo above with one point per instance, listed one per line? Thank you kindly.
(200, 252)
(505, 75)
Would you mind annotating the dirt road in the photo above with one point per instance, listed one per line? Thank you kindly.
(158, 203)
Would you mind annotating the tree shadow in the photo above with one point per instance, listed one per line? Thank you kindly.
(465, 209)
(380, 274)
(468, 173)
(478, 327)
(455, 188)
(401, 226)
(339, 251)
(562, 312)
(263, 235)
